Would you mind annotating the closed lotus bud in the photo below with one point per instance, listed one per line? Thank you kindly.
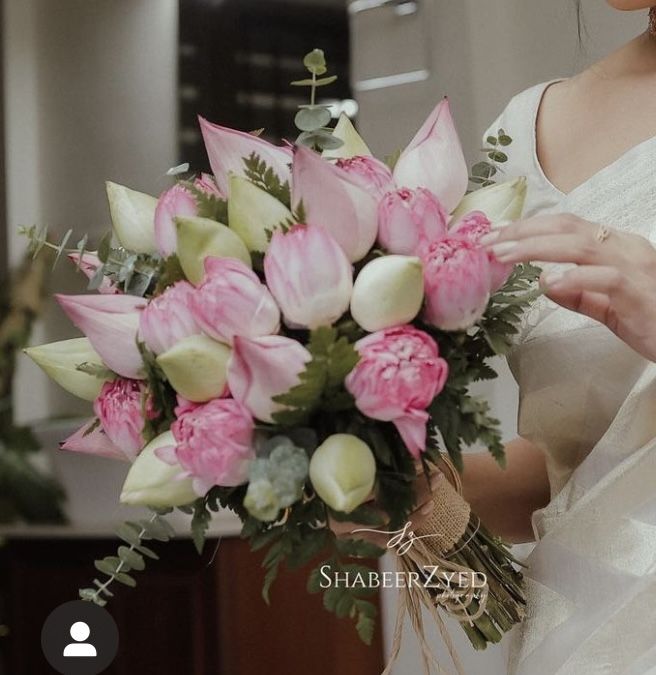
(457, 284)
(309, 276)
(231, 300)
(262, 368)
(353, 144)
(133, 218)
(154, 482)
(253, 213)
(111, 323)
(59, 360)
(501, 202)
(227, 149)
(167, 318)
(410, 220)
(175, 202)
(335, 199)
(434, 159)
(343, 472)
(388, 292)
(196, 367)
(199, 238)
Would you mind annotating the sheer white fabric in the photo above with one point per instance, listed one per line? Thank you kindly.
(589, 402)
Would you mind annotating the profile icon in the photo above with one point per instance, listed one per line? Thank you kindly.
(79, 638)
(80, 632)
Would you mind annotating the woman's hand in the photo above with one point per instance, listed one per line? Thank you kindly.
(424, 495)
(614, 283)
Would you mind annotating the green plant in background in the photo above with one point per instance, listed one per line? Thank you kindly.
(26, 493)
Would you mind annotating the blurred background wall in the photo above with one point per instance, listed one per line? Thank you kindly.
(91, 94)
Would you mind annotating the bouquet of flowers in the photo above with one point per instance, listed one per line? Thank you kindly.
(295, 335)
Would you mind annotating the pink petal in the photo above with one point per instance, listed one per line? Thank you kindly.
(94, 443)
(412, 428)
(111, 323)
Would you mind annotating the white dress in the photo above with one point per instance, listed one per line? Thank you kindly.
(589, 402)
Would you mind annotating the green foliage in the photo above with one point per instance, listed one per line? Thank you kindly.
(264, 177)
(130, 558)
(209, 205)
(483, 172)
(163, 399)
(200, 523)
(321, 384)
(346, 599)
(170, 272)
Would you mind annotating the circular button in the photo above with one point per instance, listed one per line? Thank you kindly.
(79, 638)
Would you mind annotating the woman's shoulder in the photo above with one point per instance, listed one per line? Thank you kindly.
(517, 119)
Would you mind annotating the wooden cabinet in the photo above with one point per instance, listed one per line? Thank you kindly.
(190, 615)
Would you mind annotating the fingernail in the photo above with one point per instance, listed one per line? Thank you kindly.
(552, 278)
(504, 250)
(427, 509)
(489, 238)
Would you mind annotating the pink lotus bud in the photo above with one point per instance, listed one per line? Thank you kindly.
(110, 322)
(215, 443)
(410, 220)
(119, 407)
(174, 202)
(457, 284)
(336, 200)
(262, 368)
(91, 439)
(374, 175)
(206, 183)
(472, 227)
(89, 264)
(167, 318)
(309, 276)
(227, 149)
(399, 374)
(231, 300)
(434, 159)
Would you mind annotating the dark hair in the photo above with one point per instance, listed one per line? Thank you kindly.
(579, 20)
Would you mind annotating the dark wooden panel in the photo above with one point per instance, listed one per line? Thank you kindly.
(188, 616)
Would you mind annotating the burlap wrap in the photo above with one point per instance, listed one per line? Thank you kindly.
(431, 545)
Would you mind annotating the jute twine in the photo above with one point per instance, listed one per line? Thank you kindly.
(451, 585)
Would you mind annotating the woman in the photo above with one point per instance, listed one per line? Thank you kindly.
(581, 479)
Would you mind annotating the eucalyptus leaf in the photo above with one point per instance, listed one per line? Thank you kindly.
(311, 119)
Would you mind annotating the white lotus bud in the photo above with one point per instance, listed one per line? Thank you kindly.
(353, 143)
(199, 238)
(388, 292)
(60, 361)
(343, 472)
(253, 213)
(133, 218)
(196, 367)
(504, 201)
(153, 482)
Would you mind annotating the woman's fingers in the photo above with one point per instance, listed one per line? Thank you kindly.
(539, 225)
(557, 248)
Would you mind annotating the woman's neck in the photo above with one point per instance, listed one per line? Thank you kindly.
(637, 58)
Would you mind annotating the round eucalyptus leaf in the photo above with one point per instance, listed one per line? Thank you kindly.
(311, 119)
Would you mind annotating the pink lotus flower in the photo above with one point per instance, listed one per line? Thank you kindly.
(110, 322)
(262, 368)
(336, 200)
(457, 283)
(88, 264)
(374, 175)
(399, 374)
(174, 202)
(434, 159)
(410, 220)
(215, 443)
(178, 201)
(167, 319)
(227, 149)
(119, 407)
(231, 301)
(91, 439)
(472, 227)
(309, 276)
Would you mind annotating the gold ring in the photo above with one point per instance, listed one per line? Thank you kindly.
(602, 234)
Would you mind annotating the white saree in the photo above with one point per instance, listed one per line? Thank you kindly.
(589, 402)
